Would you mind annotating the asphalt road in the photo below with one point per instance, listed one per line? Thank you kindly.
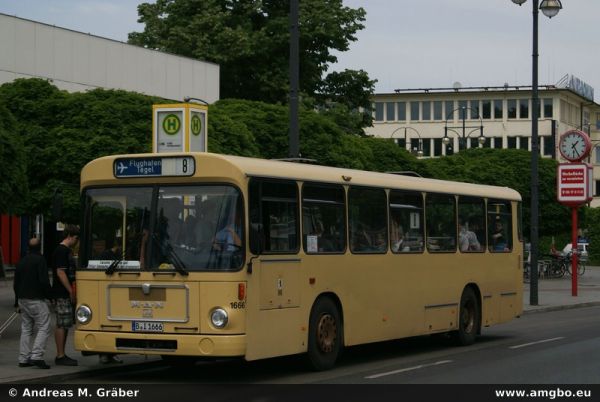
(560, 347)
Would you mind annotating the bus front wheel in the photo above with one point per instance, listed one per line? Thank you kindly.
(325, 335)
(468, 319)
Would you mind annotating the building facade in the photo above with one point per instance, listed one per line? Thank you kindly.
(419, 119)
(76, 61)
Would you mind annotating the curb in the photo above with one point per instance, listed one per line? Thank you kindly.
(562, 307)
(89, 372)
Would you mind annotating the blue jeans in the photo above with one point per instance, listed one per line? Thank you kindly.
(35, 320)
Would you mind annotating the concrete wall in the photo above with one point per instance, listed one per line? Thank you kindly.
(76, 61)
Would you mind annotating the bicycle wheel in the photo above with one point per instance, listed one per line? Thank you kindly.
(580, 268)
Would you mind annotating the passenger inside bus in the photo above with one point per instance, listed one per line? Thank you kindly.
(397, 236)
(467, 239)
(228, 238)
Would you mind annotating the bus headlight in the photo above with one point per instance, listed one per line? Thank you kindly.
(219, 318)
(83, 314)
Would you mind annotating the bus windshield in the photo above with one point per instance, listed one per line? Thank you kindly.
(189, 228)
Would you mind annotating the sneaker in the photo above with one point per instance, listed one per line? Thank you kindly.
(26, 364)
(39, 364)
(65, 361)
(109, 359)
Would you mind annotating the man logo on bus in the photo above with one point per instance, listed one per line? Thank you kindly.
(171, 124)
(196, 125)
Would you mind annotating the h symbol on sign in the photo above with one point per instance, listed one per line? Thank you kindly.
(196, 125)
(172, 124)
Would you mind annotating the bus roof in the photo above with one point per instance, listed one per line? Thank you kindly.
(100, 172)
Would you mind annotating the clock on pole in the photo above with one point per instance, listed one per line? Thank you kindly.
(574, 145)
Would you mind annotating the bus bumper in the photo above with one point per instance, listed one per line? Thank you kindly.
(160, 344)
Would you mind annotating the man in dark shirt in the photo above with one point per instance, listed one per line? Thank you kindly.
(32, 288)
(63, 276)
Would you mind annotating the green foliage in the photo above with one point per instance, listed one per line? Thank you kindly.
(13, 186)
(62, 132)
(250, 40)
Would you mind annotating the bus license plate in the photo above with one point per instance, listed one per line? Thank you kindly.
(145, 326)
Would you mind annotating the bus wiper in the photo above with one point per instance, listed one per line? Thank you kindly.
(177, 263)
(113, 265)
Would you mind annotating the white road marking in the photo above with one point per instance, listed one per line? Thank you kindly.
(537, 342)
(408, 369)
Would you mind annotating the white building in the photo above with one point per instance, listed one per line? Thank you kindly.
(419, 118)
(76, 61)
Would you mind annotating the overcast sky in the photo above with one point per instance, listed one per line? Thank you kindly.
(408, 43)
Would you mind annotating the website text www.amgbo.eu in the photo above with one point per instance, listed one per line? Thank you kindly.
(555, 393)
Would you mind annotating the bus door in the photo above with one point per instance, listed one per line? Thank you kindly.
(273, 300)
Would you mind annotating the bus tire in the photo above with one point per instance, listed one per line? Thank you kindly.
(469, 318)
(325, 336)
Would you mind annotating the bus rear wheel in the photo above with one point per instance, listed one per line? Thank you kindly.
(325, 335)
(468, 319)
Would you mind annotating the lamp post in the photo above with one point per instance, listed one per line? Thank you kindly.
(419, 148)
(550, 8)
(462, 138)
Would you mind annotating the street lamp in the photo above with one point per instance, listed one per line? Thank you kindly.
(550, 8)
(420, 147)
(462, 138)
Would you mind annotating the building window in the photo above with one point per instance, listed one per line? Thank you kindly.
(548, 109)
(378, 111)
(427, 110)
(497, 141)
(448, 115)
(437, 147)
(498, 109)
(548, 145)
(512, 108)
(390, 110)
(486, 109)
(525, 143)
(597, 155)
(426, 146)
(474, 142)
(597, 192)
(462, 112)
(437, 110)
(512, 142)
(414, 111)
(474, 109)
(402, 111)
(524, 108)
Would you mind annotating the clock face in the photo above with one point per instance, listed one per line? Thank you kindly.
(574, 145)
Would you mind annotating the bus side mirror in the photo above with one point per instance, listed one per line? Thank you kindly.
(57, 204)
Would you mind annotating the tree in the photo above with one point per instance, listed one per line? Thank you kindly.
(345, 94)
(13, 186)
(249, 39)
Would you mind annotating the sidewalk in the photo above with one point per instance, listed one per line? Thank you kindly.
(553, 294)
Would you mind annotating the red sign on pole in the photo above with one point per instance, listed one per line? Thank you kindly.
(573, 183)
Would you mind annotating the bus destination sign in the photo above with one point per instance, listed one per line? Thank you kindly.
(154, 167)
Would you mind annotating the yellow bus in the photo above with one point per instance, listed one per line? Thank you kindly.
(199, 255)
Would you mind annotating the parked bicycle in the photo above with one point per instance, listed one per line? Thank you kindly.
(580, 264)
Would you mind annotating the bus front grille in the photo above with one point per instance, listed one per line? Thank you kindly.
(146, 344)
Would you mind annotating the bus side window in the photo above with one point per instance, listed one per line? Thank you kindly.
(471, 224)
(323, 218)
(499, 226)
(406, 222)
(441, 223)
(367, 217)
(274, 210)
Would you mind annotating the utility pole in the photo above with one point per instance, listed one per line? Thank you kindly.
(294, 134)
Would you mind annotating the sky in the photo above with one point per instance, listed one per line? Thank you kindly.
(408, 43)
